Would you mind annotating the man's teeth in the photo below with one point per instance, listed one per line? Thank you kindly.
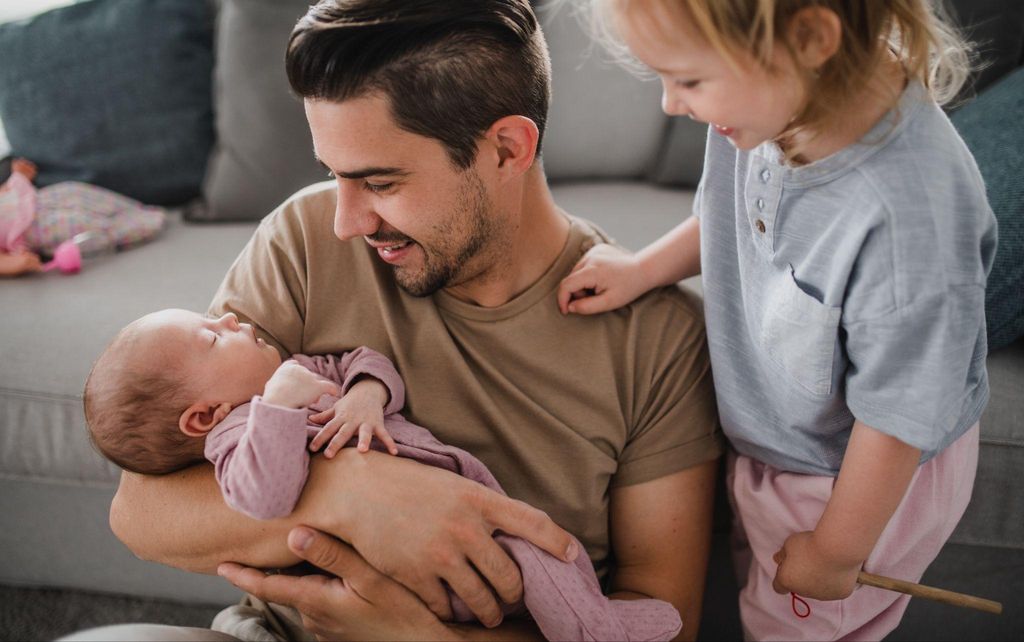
(397, 246)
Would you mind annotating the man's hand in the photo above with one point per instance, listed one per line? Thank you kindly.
(362, 410)
(427, 527)
(357, 603)
(294, 386)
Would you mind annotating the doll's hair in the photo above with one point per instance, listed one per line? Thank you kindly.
(916, 31)
(132, 406)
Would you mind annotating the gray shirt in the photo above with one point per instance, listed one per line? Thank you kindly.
(852, 287)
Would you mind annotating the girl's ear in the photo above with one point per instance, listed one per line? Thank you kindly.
(814, 34)
(200, 418)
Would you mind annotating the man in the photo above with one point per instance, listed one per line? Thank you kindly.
(446, 254)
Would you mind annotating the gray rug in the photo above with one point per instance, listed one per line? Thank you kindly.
(45, 614)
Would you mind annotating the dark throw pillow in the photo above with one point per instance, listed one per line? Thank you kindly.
(993, 128)
(113, 92)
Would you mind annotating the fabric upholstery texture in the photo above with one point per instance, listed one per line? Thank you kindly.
(992, 127)
(112, 92)
(264, 151)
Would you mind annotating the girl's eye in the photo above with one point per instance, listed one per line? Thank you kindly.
(687, 84)
(379, 188)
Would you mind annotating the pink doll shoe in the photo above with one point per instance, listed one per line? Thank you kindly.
(68, 256)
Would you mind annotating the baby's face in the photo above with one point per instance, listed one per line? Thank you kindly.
(222, 359)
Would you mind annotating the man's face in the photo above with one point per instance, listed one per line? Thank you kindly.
(434, 224)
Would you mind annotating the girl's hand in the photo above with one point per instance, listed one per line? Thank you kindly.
(294, 386)
(806, 570)
(606, 278)
(362, 410)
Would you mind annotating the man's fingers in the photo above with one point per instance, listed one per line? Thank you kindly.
(502, 573)
(434, 595)
(281, 589)
(519, 518)
(329, 554)
(468, 585)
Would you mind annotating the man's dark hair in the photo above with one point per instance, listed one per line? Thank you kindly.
(449, 68)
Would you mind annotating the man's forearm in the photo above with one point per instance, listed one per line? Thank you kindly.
(181, 520)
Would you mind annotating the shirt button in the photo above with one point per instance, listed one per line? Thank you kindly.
(765, 175)
(760, 204)
(759, 224)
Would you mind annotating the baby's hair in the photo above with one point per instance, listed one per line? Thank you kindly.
(918, 33)
(132, 407)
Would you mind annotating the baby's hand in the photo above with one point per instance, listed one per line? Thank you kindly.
(361, 409)
(605, 278)
(294, 386)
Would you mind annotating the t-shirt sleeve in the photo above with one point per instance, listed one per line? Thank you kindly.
(914, 371)
(675, 423)
(266, 285)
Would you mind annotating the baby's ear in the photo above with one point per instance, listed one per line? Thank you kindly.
(200, 418)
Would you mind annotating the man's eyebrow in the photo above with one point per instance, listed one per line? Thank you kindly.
(366, 171)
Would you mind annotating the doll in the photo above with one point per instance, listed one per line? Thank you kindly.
(37, 223)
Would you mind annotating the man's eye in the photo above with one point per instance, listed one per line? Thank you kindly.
(379, 188)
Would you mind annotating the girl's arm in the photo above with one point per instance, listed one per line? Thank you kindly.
(823, 563)
(673, 257)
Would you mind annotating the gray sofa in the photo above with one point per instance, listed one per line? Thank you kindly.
(612, 157)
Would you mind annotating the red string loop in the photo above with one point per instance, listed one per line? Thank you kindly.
(797, 600)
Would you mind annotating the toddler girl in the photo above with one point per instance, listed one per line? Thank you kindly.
(844, 238)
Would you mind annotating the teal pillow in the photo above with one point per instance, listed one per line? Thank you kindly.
(113, 92)
(992, 125)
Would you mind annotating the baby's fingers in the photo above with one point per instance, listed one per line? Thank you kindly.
(385, 437)
(340, 439)
(325, 434)
(322, 417)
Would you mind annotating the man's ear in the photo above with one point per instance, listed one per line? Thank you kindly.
(200, 418)
(514, 139)
(814, 34)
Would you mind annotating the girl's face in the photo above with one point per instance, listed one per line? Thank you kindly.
(746, 102)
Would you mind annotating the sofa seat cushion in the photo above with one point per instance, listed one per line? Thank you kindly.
(56, 326)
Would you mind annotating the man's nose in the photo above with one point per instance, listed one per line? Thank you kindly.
(354, 215)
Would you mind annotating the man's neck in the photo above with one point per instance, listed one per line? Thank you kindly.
(539, 232)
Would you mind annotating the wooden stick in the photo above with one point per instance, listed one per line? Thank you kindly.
(931, 593)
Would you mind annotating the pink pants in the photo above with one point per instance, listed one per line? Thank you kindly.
(770, 504)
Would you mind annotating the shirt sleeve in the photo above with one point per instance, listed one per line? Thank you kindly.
(362, 361)
(915, 372)
(266, 285)
(260, 458)
(675, 424)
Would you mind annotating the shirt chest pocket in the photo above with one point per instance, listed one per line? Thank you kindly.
(799, 335)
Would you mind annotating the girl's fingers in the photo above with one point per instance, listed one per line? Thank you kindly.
(592, 304)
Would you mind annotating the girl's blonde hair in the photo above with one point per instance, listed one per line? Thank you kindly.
(916, 32)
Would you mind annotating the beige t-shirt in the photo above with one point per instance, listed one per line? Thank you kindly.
(560, 408)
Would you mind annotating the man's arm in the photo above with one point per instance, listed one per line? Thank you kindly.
(423, 526)
(661, 538)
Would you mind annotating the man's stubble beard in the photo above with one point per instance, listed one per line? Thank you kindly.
(446, 264)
